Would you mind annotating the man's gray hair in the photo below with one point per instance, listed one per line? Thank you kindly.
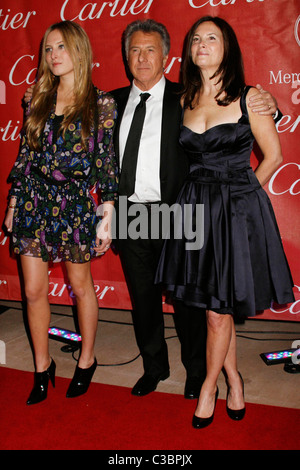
(147, 26)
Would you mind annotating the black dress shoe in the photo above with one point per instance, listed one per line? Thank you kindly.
(40, 388)
(236, 415)
(147, 384)
(192, 387)
(200, 423)
(81, 380)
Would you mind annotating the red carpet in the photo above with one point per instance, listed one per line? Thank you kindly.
(109, 417)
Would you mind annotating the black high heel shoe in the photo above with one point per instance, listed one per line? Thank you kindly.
(200, 423)
(81, 381)
(236, 415)
(40, 388)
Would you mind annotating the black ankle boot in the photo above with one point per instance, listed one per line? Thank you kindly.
(40, 388)
(81, 381)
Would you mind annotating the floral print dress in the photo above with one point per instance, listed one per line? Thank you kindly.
(56, 216)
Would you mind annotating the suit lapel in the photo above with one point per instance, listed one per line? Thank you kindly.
(170, 123)
(170, 106)
(121, 97)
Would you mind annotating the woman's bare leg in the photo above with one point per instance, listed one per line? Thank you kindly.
(218, 341)
(220, 352)
(236, 396)
(81, 281)
(35, 272)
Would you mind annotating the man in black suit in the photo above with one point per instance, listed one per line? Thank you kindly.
(158, 176)
(161, 169)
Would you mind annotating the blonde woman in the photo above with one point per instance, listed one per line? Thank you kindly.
(66, 149)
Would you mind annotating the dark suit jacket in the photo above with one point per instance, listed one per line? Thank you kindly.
(173, 161)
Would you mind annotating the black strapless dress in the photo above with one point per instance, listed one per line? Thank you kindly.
(241, 267)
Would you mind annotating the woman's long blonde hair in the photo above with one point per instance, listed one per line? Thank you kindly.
(79, 48)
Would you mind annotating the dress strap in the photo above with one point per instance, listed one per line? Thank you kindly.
(243, 100)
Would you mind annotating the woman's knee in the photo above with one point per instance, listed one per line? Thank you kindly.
(217, 321)
(79, 288)
(36, 282)
(80, 280)
(36, 292)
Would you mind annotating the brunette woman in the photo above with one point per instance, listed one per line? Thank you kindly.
(241, 267)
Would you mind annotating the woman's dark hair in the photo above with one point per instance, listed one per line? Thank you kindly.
(230, 73)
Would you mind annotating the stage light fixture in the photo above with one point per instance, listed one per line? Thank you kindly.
(278, 357)
(65, 336)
